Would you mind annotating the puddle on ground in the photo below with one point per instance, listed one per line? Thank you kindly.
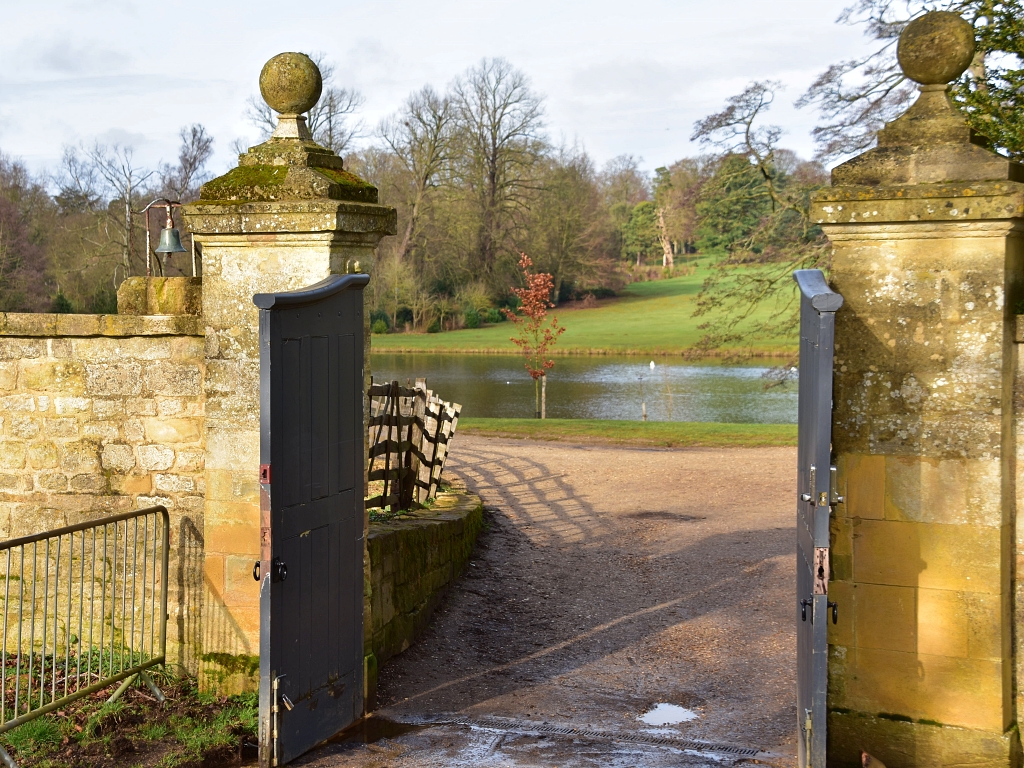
(668, 714)
(372, 729)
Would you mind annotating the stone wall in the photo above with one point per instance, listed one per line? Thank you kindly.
(100, 415)
(413, 561)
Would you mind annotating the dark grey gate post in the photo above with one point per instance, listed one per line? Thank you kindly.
(311, 515)
(815, 496)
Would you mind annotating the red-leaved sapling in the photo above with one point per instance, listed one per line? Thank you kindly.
(535, 332)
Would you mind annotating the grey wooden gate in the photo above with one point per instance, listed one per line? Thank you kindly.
(815, 497)
(311, 515)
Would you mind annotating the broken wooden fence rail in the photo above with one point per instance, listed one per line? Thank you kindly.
(85, 606)
(410, 431)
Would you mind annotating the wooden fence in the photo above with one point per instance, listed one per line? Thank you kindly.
(410, 433)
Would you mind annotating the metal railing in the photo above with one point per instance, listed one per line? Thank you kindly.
(83, 607)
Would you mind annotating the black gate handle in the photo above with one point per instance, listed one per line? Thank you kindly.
(256, 571)
(810, 601)
(279, 570)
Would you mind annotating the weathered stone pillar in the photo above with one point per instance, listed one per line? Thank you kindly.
(285, 218)
(927, 232)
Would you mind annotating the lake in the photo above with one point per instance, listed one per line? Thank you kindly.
(599, 387)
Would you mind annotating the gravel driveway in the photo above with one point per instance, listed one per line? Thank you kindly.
(607, 580)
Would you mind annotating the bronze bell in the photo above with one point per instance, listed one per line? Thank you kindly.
(170, 241)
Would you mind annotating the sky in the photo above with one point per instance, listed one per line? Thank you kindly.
(617, 77)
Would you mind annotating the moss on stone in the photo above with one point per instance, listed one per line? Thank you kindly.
(345, 178)
(230, 664)
(246, 182)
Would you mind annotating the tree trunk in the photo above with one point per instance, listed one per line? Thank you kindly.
(410, 226)
(666, 244)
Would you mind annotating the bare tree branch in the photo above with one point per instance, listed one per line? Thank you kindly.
(182, 182)
(420, 135)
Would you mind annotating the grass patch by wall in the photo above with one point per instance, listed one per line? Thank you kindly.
(653, 318)
(188, 730)
(669, 434)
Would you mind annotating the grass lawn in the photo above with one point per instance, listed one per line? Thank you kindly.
(670, 434)
(649, 318)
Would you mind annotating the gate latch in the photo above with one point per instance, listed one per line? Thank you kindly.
(278, 570)
(264, 474)
(833, 487)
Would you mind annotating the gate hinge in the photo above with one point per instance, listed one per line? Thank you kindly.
(264, 474)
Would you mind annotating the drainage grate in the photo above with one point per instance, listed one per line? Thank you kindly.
(527, 727)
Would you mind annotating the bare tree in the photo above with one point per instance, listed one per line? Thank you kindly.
(327, 120)
(77, 182)
(499, 121)
(107, 172)
(239, 145)
(182, 181)
(624, 183)
(420, 135)
(568, 236)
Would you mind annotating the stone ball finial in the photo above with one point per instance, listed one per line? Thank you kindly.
(291, 83)
(936, 48)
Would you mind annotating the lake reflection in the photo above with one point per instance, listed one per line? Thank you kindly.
(606, 387)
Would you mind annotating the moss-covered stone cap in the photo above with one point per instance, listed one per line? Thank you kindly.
(270, 182)
(290, 165)
(350, 219)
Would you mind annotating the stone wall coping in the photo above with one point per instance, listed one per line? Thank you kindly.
(344, 220)
(61, 325)
(447, 507)
(866, 193)
(921, 202)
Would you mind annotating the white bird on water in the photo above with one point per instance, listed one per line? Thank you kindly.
(652, 365)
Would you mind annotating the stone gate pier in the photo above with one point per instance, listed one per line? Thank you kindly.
(928, 236)
(287, 217)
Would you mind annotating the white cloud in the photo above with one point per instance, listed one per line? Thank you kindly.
(620, 78)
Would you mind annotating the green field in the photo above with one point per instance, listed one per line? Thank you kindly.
(668, 434)
(647, 318)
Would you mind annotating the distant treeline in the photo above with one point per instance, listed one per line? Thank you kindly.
(477, 179)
